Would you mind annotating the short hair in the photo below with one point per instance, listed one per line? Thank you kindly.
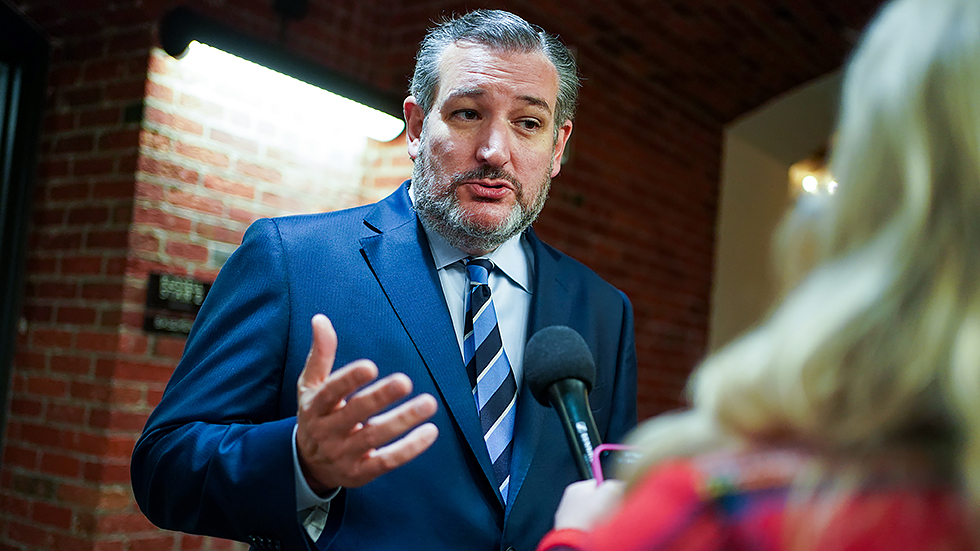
(501, 30)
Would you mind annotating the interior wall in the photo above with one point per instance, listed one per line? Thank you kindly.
(758, 150)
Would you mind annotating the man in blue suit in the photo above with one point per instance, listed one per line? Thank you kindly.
(257, 438)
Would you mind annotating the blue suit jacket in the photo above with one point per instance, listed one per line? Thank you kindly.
(215, 457)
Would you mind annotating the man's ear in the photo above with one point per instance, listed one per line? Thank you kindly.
(414, 119)
(563, 133)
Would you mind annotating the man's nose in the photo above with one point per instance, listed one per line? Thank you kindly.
(495, 144)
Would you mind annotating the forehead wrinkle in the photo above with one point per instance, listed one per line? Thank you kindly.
(479, 74)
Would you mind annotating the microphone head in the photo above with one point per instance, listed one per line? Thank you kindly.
(555, 353)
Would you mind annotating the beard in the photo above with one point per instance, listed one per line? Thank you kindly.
(439, 209)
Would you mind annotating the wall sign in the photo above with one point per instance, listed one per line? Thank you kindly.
(172, 302)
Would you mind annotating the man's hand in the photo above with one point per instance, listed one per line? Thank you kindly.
(585, 503)
(339, 434)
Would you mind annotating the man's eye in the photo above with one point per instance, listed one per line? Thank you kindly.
(466, 114)
(530, 124)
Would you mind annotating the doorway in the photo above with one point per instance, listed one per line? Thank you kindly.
(23, 74)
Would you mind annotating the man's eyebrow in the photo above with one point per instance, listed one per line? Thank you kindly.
(477, 92)
(534, 100)
(464, 93)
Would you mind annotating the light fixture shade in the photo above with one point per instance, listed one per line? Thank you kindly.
(326, 111)
(181, 26)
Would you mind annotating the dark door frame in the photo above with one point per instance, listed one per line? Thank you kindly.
(24, 54)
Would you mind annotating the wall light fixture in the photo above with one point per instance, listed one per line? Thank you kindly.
(353, 105)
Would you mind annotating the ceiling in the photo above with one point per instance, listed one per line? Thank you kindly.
(713, 59)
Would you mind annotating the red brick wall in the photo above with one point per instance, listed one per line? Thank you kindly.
(214, 157)
(65, 466)
(117, 200)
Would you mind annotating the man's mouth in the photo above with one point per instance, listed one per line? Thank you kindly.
(488, 189)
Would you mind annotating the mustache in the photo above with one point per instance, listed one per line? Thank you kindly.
(487, 172)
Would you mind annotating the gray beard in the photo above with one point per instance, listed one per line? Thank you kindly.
(440, 212)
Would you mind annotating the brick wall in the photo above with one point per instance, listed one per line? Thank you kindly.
(216, 155)
(142, 172)
(65, 467)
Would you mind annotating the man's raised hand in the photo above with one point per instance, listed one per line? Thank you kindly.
(344, 436)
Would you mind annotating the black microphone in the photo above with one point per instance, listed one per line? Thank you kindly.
(560, 371)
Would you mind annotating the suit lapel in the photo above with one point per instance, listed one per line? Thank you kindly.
(549, 293)
(400, 258)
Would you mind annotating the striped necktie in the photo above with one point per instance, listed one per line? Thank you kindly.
(494, 386)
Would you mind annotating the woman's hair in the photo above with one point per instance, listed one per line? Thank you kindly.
(878, 346)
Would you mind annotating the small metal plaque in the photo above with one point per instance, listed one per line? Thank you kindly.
(175, 294)
(158, 323)
(172, 302)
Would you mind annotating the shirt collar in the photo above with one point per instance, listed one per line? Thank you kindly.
(511, 258)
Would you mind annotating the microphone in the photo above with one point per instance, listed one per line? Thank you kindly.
(560, 371)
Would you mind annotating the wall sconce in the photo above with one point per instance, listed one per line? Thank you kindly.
(812, 176)
(185, 32)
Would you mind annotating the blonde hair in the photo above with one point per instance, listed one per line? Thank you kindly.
(880, 342)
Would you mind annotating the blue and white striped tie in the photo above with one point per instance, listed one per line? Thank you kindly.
(494, 386)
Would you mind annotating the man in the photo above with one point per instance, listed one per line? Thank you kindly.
(258, 439)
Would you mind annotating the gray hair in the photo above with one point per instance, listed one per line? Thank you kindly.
(499, 30)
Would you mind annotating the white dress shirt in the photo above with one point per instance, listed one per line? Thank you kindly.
(510, 289)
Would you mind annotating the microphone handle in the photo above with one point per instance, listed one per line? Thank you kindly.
(570, 399)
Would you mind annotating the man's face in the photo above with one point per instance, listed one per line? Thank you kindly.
(486, 153)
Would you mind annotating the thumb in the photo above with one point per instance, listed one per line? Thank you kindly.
(320, 360)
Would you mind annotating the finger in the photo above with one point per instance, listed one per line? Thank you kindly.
(391, 424)
(614, 486)
(328, 398)
(323, 350)
(373, 399)
(581, 488)
(612, 491)
(396, 454)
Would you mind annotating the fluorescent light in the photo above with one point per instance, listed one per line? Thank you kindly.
(326, 108)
